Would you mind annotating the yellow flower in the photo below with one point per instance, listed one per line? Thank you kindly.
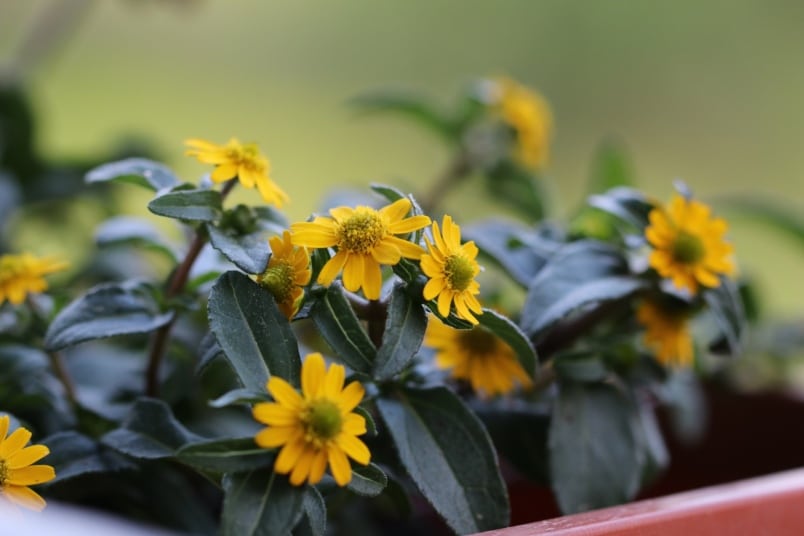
(529, 115)
(452, 269)
(477, 355)
(667, 333)
(16, 471)
(287, 272)
(23, 274)
(689, 245)
(315, 428)
(365, 239)
(244, 161)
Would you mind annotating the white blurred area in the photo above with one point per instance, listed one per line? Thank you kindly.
(63, 520)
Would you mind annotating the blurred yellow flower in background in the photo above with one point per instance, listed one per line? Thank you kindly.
(23, 274)
(667, 333)
(315, 428)
(16, 469)
(689, 246)
(478, 356)
(528, 114)
(365, 239)
(244, 161)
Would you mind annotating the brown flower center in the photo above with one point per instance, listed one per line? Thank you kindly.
(479, 341)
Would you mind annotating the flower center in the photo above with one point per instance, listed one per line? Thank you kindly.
(478, 340)
(3, 473)
(323, 421)
(278, 280)
(459, 272)
(361, 232)
(688, 248)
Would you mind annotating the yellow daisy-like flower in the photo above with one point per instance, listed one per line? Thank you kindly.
(689, 245)
(287, 272)
(315, 428)
(244, 161)
(667, 333)
(529, 115)
(477, 355)
(452, 268)
(365, 238)
(16, 469)
(23, 274)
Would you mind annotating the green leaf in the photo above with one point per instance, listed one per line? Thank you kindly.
(315, 511)
(611, 167)
(448, 454)
(594, 457)
(371, 426)
(249, 252)
(418, 108)
(192, 205)
(651, 441)
(73, 454)
(404, 332)
(149, 432)
(260, 503)
(140, 171)
(580, 367)
(226, 455)
(105, 311)
(511, 334)
(368, 480)
(239, 396)
(627, 204)
(338, 324)
(520, 436)
(137, 232)
(252, 332)
(579, 274)
(518, 249)
(726, 306)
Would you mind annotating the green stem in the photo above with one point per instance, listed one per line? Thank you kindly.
(57, 363)
(175, 287)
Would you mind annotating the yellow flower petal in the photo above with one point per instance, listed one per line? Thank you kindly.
(339, 465)
(27, 476)
(275, 436)
(274, 414)
(351, 397)
(354, 448)
(24, 496)
(318, 467)
(332, 268)
(353, 272)
(284, 393)
(313, 371)
(14, 442)
(27, 456)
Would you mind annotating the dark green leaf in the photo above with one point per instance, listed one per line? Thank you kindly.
(520, 436)
(726, 307)
(516, 248)
(371, 426)
(141, 171)
(338, 324)
(136, 232)
(367, 480)
(105, 311)
(209, 350)
(579, 274)
(73, 454)
(239, 396)
(611, 167)
(594, 457)
(249, 252)
(415, 107)
(627, 204)
(649, 436)
(252, 332)
(260, 503)
(449, 456)
(149, 432)
(404, 332)
(580, 367)
(192, 205)
(226, 455)
(315, 511)
(511, 334)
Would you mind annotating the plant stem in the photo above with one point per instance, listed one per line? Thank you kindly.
(176, 284)
(57, 363)
(377, 312)
(458, 168)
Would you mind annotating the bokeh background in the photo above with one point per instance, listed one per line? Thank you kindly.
(709, 92)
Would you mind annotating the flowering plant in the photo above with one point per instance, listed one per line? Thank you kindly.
(285, 377)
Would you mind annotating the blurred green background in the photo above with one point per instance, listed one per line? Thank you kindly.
(707, 92)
